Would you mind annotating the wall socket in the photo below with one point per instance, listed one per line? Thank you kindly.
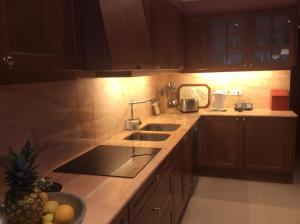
(224, 91)
(235, 92)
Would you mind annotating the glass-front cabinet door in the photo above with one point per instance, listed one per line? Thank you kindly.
(274, 33)
(227, 40)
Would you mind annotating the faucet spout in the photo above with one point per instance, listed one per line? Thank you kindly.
(133, 123)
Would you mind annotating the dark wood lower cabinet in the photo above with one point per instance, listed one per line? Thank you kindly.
(259, 148)
(178, 181)
(164, 196)
(184, 179)
(220, 141)
(268, 147)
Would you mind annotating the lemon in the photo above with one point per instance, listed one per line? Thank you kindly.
(44, 197)
(51, 206)
(64, 214)
(48, 218)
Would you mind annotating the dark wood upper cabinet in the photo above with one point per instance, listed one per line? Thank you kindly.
(228, 40)
(175, 38)
(195, 42)
(166, 27)
(274, 38)
(156, 11)
(241, 41)
(39, 35)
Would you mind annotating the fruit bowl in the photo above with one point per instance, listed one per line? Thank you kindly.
(77, 203)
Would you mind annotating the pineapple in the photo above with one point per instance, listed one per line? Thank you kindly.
(23, 203)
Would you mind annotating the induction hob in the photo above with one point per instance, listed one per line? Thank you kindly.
(115, 161)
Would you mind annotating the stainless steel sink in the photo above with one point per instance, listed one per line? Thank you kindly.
(160, 127)
(139, 136)
(116, 161)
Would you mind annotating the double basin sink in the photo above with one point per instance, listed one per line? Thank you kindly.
(141, 136)
(119, 161)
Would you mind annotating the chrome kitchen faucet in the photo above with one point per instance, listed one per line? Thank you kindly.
(133, 123)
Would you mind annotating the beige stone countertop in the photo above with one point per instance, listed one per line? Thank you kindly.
(106, 196)
(254, 113)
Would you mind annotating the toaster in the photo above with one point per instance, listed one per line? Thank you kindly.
(188, 105)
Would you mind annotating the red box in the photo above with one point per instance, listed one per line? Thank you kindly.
(279, 99)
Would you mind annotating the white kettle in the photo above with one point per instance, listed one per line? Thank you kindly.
(219, 101)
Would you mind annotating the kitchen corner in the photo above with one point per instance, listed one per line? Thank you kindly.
(149, 111)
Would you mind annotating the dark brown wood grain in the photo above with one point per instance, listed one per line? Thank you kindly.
(220, 142)
(41, 34)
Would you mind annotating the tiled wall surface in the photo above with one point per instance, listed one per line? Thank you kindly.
(255, 86)
(63, 119)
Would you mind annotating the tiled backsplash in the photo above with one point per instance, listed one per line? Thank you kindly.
(255, 85)
(68, 115)
(65, 118)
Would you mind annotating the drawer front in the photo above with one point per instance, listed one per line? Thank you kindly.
(167, 213)
(155, 207)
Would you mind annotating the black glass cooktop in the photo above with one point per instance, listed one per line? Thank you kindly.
(116, 161)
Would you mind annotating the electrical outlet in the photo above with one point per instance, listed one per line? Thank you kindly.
(223, 91)
(235, 92)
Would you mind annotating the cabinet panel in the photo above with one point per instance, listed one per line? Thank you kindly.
(159, 34)
(274, 37)
(187, 165)
(41, 34)
(196, 47)
(228, 40)
(220, 142)
(247, 40)
(175, 38)
(178, 181)
(158, 204)
(268, 144)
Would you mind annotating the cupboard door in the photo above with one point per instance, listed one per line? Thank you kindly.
(178, 182)
(228, 43)
(159, 34)
(268, 144)
(40, 34)
(187, 165)
(196, 43)
(220, 142)
(175, 29)
(274, 37)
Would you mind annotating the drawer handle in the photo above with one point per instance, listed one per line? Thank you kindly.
(156, 209)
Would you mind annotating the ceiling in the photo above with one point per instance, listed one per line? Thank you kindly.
(202, 7)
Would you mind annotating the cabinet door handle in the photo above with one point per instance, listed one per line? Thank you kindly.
(8, 61)
(237, 119)
(156, 209)
(157, 178)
